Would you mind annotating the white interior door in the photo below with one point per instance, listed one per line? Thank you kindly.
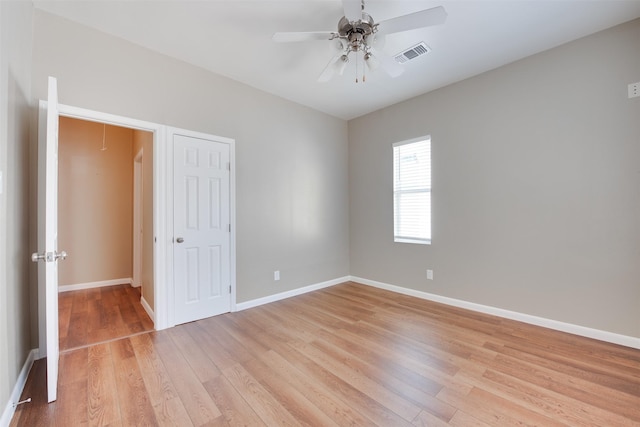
(202, 230)
(48, 240)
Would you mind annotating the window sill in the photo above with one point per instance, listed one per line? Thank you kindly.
(415, 241)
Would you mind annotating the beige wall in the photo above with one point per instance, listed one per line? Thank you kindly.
(144, 140)
(536, 186)
(95, 210)
(16, 19)
(291, 161)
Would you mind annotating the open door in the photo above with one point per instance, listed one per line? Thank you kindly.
(48, 240)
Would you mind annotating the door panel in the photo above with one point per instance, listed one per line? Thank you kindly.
(201, 226)
(47, 254)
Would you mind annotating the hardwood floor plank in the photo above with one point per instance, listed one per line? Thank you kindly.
(212, 348)
(590, 373)
(284, 325)
(491, 410)
(266, 406)
(195, 398)
(229, 325)
(385, 376)
(94, 318)
(359, 381)
(77, 333)
(235, 409)
(387, 357)
(369, 407)
(549, 403)
(236, 350)
(303, 410)
(153, 371)
(433, 374)
(428, 353)
(79, 304)
(73, 366)
(167, 406)
(71, 406)
(336, 408)
(171, 412)
(304, 308)
(566, 385)
(348, 355)
(462, 419)
(72, 403)
(133, 397)
(200, 363)
(426, 419)
(103, 406)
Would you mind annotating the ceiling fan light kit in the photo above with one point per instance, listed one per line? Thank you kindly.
(358, 33)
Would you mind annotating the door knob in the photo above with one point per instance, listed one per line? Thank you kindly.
(179, 240)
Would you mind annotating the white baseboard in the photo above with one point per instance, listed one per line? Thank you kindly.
(10, 407)
(288, 294)
(148, 309)
(99, 284)
(625, 340)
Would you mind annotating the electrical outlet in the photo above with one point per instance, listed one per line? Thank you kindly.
(429, 274)
(634, 90)
(276, 275)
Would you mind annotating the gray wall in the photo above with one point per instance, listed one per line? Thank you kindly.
(536, 186)
(536, 177)
(291, 161)
(15, 69)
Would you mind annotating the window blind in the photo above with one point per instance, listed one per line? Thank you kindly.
(412, 191)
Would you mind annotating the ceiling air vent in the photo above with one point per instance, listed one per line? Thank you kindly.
(412, 53)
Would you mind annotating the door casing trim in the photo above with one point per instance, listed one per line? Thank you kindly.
(162, 207)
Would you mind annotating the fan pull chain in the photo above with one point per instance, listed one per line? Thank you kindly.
(356, 54)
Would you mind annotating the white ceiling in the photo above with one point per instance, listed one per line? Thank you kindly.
(233, 38)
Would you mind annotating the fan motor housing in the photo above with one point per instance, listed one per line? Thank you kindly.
(356, 31)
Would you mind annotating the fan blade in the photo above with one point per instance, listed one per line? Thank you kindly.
(387, 63)
(337, 64)
(303, 36)
(421, 19)
(352, 9)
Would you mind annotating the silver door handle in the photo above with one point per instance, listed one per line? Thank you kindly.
(61, 255)
(179, 240)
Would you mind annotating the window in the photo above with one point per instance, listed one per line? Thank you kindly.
(412, 191)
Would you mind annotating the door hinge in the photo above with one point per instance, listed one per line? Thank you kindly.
(229, 166)
(229, 228)
(229, 288)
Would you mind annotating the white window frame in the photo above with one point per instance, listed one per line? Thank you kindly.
(417, 238)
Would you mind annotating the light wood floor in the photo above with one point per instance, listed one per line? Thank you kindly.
(345, 355)
(96, 315)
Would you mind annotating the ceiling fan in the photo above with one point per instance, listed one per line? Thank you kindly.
(358, 34)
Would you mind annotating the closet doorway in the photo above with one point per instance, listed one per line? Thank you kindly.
(105, 220)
